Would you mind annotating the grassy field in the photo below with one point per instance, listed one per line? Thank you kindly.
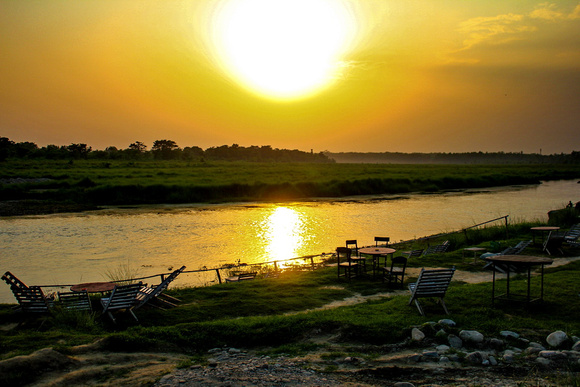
(92, 182)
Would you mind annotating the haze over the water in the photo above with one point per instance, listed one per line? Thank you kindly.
(337, 75)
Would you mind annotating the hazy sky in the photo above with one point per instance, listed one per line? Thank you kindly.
(366, 75)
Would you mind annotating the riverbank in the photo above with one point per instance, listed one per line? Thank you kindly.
(96, 183)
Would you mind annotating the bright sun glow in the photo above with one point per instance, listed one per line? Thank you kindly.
(283, 49)
(284, 227)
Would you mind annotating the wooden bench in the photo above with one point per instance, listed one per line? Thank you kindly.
(431, 283)
(242, 277)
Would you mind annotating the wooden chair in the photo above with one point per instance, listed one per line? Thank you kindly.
(245, 276)
(31, 299)
(154, 295)
(396, 273)
(78, 301)
(345, 263)
(413, 253)
(553, 243)
(382, 241)
(122, 298)
(431, 283)
(352, 244)
(441, 248)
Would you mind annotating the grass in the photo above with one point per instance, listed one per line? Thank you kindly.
(92, 182)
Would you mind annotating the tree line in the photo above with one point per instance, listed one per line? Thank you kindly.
(161, 150)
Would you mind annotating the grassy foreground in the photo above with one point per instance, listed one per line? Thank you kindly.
(281, 313)
(94, 182)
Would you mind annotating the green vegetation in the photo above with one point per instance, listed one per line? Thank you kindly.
(93, 183)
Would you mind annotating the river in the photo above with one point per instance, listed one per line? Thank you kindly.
(84, 247)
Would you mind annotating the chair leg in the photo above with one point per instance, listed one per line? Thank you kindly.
(419, 307)
(443, 305)
(133, 314)
(112, 317)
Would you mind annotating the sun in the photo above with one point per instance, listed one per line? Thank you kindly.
(282, 49)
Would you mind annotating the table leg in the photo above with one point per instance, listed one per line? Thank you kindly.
(529, 280)
(542, 284)
(493, 286)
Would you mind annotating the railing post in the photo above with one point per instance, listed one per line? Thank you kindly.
(218, 275)
(506, 227)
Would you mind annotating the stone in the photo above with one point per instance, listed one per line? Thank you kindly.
(448, 322)
(441, 333)
(492, 361)
(536, 345)
(553, 355)
(576, 346)
(509, 334)
(532, 350)
(557, 339)
(444, 359)
(404, 384)
(508, 356)
(430, 355)
(455, 341)
(417, 335)
(471, 336)
(543, 361)
(442, 348)
(474, 357)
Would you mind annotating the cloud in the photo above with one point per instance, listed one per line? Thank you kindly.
(506, 28)
(549, 11)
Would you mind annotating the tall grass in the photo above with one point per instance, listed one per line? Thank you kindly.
(123, 273)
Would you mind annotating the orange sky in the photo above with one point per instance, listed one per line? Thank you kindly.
(412, 75)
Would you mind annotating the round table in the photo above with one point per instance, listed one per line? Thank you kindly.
(94, 287)
(542, 230)
(376, 253)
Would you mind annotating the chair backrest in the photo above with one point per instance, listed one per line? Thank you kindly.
(31, 299)
(521, 247)
(343, 254)
(123, 297)
(13, 281)
(399, 261)
(144, 297)
(433, 283)
(75, 300)
(414, 253)
(573, 233)
(352, 244)
(382, 241)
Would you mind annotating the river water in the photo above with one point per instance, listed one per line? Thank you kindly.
(85, 247)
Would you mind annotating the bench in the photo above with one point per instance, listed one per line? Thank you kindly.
(431, 283)
(242, 277)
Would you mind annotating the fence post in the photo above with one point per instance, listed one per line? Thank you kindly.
(506, 227)
(218, 275)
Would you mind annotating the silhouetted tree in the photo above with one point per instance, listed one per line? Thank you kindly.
(164, 149)
(78, 151)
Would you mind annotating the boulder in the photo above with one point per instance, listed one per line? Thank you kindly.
(557, 339)
(473, 337)
(417, 335)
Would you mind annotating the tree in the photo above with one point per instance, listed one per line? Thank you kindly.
(138, 146)
(78, 151)
(163, 149)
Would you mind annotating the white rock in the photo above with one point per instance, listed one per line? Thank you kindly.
(557, 338)
(417, 335)
(471, 336)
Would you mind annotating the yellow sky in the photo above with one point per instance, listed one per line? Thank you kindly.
(413, 75)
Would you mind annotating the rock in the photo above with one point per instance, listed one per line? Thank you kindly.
(442, 348)
(417, 335)
(448, 322)
(553, 355)
(532, 350)
(492, 361)
(404, 384)
(543, 361)
(471, 336)
(536, 345)
(474, 357)
(508, 356)
(509, 334)
(455, 341)
(430, 355)
(557, 339)
(441, 333)
(444, 359)
(576, 346)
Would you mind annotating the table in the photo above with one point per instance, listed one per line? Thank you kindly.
(94, 287)
(519, 261)
(542, 230)
(475, 250)
(376, 253)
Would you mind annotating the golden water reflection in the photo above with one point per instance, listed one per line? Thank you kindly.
(283, 233)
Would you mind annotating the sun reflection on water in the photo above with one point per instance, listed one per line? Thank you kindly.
(283, 233)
